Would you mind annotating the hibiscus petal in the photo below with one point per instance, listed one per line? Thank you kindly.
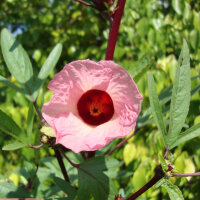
(71, 132)
(55, 106)
(104, 133)
(70, 84)
(88, 74)
(124, 93)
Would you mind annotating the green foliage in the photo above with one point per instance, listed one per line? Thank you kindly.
(8, 126)
(17, 62)
(189, 134)
(173, 191)
(14, 146)
(10, 190)
(150, 38)
(48, 66)
(49, 131)
(90, 173)
(156, 109)
(180, 96)
(65, 187)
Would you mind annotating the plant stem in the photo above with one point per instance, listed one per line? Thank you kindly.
(166, 152)
(31, 181)
(39, 113)
(62, 166)
(185, 175)
(73, 164)
(83, 2)
(36, 147)
(57, 153)
(121, 143)
(114, 28)
(158, 175)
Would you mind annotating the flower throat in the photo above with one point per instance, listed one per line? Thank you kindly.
(95, 107)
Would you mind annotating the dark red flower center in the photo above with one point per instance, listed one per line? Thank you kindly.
(95, 107)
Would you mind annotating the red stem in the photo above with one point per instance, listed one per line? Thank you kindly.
(158, 175)
(114, 28)
(121, 143)
(185, 175)
(166, 152)
(62, 166)
(83, 2)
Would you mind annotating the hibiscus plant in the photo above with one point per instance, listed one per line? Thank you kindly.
(93, 104)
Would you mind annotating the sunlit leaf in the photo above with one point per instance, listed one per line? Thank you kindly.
(187, 135)
(156, 108)
(48, 130)
(178, 6)
(48, 66)
(13, 146)
(17, 61)
(180, 100)
(173, 190)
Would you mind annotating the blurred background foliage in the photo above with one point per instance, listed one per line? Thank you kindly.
(152, 30)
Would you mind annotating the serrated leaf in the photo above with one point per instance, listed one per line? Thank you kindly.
(48, 130)
(65, 187)
(164, 97)
(8, 126)
(173, 190)
(156, 108)
(163, 163)
(180, 100)
(13, 146)
(49, 64)
(187, 135)
(17, 61)
(93, 182)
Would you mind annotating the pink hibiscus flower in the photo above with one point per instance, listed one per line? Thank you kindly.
(92, 104)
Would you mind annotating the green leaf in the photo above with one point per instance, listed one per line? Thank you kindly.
(48, 130)
(8, 126)
(65, 187)
(49, 64)
(8, 190)
(129, 153)
(194, 38)
(164, 97)
(140, 68)
(30, 119)
(196, 20)
(8, 83)
(180, 100)
(17, 61)
(178, 6)
(13, 146)
(93, 182)
(187, 135)
(155, 107)
(173, 190)
(163, 163)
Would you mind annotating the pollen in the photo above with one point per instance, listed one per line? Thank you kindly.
(95, 107)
